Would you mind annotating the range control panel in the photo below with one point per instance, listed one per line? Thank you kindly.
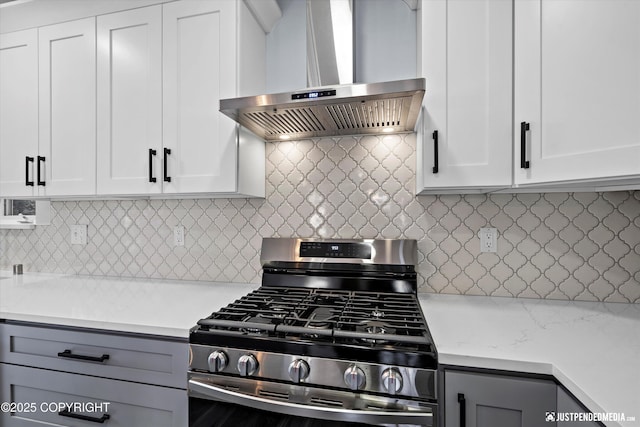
(335, 250)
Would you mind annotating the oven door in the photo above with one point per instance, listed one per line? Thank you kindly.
(230, 401)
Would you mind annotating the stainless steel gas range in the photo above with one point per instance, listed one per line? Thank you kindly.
(334, 336)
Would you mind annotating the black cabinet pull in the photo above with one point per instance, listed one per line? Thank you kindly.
(152, 153)
(68, 355)
(26, 172)
(463, 410)
(435, 151)
(40, 182)
(167, 178)
(101, 420)
(524, 163)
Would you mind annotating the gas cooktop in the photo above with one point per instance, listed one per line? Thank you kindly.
(319, 322)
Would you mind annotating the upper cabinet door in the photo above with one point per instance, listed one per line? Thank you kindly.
(18, 112)
(67, 74)
(199, 68)
(577, 90)
(466, 58)
(130, 109)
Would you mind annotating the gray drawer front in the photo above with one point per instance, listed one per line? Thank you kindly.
(130, 404)
(133, 359)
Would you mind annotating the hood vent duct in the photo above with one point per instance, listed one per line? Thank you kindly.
(357, 109)
(340, 109)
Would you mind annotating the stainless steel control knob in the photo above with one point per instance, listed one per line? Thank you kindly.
(247, 365)
(298, 370)
(217, 361)
(392, 380)
(354, 377)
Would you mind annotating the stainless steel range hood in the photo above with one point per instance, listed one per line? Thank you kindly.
(355, 109)
(329, 107)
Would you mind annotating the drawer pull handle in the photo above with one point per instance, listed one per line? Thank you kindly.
(165, 172)
(68, 355)
(26, 172)
(40, 160)
(463, 409)
(152, 153)
(435, 152)
(524, 128)
(101, 420)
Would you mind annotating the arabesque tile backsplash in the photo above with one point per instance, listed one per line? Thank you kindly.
(579, 246)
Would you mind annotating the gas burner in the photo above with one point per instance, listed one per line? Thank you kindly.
(330, 299)
(321, 314)
(318, 325)
(375, 327)
(376, 313)
(317, 317)
(255, 320)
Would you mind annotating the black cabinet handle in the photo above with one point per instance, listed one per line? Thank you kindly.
(152, 153)
(463, 410)
(101, 420)
(26, 172)
(40, 182)
(524, 163)
(68, 355)
(167, 178)
(435, 151)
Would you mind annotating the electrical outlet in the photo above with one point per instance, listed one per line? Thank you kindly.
(488, 240)
(79, 234)
(178, 235)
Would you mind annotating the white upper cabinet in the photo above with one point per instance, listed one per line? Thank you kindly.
(464, 136)
(126, 103)
(577, 91)
(130, 109)
(162, 71)
(47, 111)
(66, 164)
(18, 113)
(199, 69)
(211, 50)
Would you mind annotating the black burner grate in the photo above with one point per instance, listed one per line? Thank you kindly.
(369, 319)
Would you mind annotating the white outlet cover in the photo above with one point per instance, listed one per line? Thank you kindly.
(178, 235)
(488, 240)
(79, 234)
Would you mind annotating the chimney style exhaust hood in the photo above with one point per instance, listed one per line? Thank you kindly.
(355, 109)
(329, 107)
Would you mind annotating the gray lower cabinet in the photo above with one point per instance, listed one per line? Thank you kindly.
(567, 404)
(127, 357)
(37, 394)
(497, 400)
(137, 380)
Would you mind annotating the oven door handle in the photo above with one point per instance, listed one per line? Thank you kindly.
(288, 408)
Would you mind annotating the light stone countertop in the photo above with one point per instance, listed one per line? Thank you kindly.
(593, 349)
(145, 306)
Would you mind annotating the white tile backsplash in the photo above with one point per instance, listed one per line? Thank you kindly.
(579, 246)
